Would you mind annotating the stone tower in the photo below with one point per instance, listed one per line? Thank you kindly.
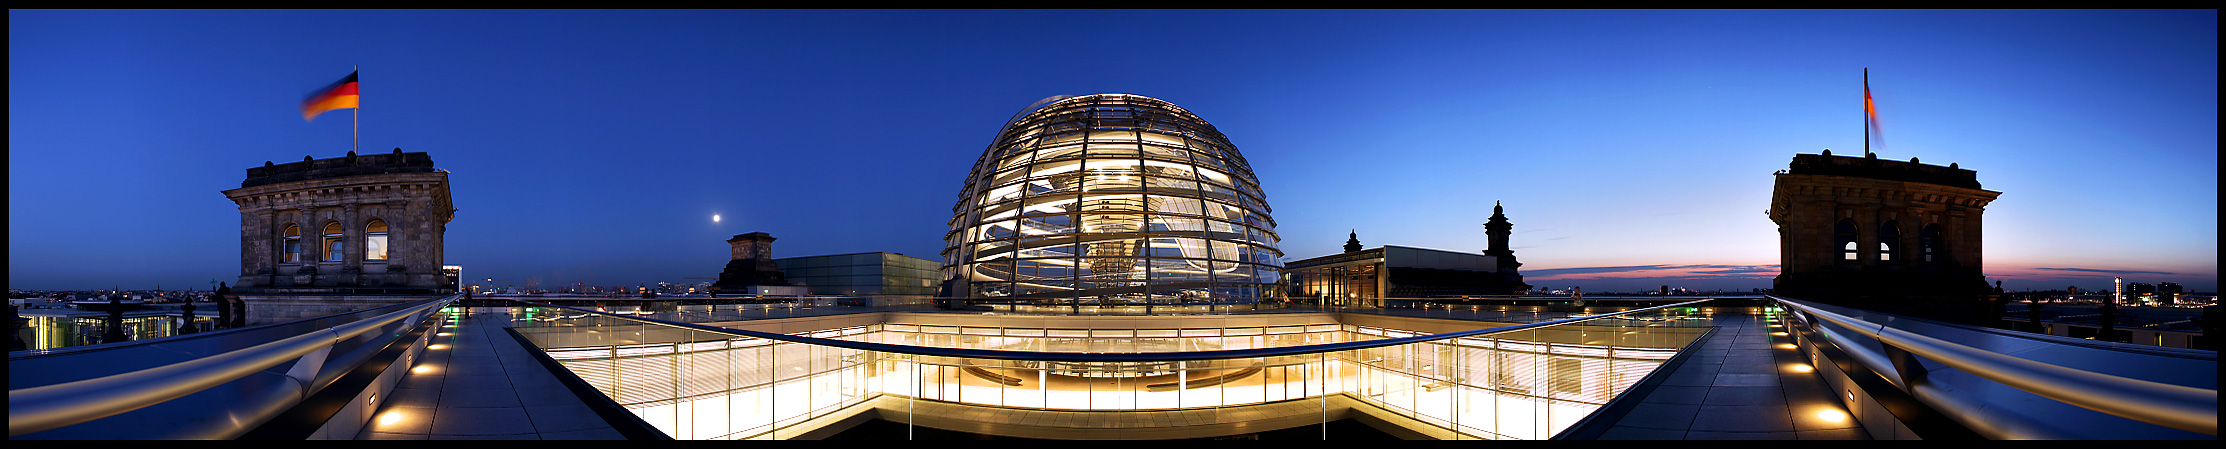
(1497, 230)
(1884, 235)
(325, 236)
(1352, 241)
(752, 263)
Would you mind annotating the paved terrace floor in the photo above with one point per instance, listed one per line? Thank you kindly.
(1744, 382)
(476, 382)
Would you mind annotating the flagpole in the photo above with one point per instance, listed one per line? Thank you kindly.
(1866, 111)
(356, 116)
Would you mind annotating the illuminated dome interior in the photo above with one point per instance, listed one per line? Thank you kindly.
(1112, 199)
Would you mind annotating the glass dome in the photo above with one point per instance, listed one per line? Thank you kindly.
(1112, 199)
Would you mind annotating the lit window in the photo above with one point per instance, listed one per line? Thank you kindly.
(292, 253)
(374, 240)
(332, 242)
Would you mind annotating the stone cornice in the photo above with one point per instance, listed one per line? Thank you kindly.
(339, 191)
(1844, 187)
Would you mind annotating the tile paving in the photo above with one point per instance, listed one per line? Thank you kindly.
(1750, 391)
(475, 382)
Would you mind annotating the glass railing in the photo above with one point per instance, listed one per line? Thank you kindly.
(210, 385)
(2014, 385)
(1527, 381)
(1109, 306)
(67, 328)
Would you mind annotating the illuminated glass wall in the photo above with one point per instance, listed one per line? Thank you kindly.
(704, 384)
(1112, 199)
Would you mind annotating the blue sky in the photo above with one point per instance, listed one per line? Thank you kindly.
(1631, 148)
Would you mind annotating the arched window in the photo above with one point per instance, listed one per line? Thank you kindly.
(1889, 238)
(1844, 236)
(332, 242)
(292, 245)
(1928, 241)
(374, 240)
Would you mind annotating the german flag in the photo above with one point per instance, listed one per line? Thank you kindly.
(340, 95)
(1870, 114)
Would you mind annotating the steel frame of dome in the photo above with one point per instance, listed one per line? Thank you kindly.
(1112, 199)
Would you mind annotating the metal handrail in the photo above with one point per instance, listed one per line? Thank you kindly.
(2179, 407)
(54, 406)
(1118, 357)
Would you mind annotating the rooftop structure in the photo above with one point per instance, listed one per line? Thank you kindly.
(1368, 277)
(340, 167)
(751, 265)
(863, 274)
(1892, 236)
(1696, 368)
(1111, 199)
(334, 235)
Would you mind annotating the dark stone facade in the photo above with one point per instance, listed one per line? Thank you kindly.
(752, 264)
(1497, 231)
(1883, 235)
(350, 165)
(401, 191)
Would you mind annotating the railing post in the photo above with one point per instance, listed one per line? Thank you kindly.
(306, 368)
(1906, 369)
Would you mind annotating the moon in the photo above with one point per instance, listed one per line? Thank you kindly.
(714, 218)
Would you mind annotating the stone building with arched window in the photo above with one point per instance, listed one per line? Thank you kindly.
(1885, 235)
(325, 236)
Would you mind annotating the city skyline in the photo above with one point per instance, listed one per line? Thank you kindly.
(1630, 148)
